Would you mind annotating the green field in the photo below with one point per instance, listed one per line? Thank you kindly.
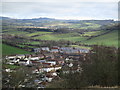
(94, 33)
(90, 26)
(83, 47)
(110, 39)
(14, 32)
(10, 50)
(10, 66)
(69, 36)
(33, 42)
(38, 33)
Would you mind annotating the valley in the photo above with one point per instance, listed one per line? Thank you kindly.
(50, 53)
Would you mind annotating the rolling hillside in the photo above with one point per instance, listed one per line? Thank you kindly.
(39, 30)
(109, 39)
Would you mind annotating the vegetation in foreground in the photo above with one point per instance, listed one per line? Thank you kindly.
(100, 69)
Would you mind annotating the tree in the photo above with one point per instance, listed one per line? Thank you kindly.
(103, 68)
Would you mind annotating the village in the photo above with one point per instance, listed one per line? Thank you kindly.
(46, 63)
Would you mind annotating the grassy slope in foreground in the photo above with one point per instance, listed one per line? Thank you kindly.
(110, 39)
(10, 50)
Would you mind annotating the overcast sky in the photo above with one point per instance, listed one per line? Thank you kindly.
(60, 9)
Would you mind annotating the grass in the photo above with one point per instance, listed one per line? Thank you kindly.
(93, 33)
(110, 39)
(83, 47)
(26, 46)
(13, 32)
(75, 26)
(38, 33)
(90, 26)
(10, 50)
(33, 42)
(10, 66)
(69, 36)
(85, 26)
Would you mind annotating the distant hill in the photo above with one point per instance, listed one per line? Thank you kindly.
(56, 23)
(4, 18)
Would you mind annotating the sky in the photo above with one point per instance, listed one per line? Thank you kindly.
(60, 9)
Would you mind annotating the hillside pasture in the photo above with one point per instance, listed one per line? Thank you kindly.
(93, 33)
(69, 36)
(37, 33)
(10, 50)
(109, 39)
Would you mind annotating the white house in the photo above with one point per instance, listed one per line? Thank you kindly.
(48, 69)
(70, 65)
(12, 57)
(21, 56)
(34, 58)
(49, 78)
(54, 74)
(67, 59)
(57, 68)
(45, 49)
(52, 62)
(40, 70)
(28, 63)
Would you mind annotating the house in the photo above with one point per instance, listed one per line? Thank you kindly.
(57, 67)
(42, 61)
(60, 62)
(70, 65)
(20, 56)
(71, 51)
(12, 57)
(41, 56)
(36, 50)
(46, 64)
(22, 62)
(54, 50)
(49, 78)
(68, 50)
(67, 59)
(39, 70)
(27, 55)
(28, 63)
(34, 62)
(45, 49)
(48, 69)
(8, 70)
(52, 73)
(34, 58)
(53, 62)
(55, 47)
(83, 50)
